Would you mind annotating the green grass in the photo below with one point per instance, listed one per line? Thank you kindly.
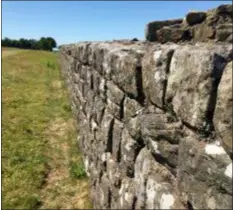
(77, 170)
(33, 99)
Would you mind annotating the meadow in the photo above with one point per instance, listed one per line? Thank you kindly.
(41, 164)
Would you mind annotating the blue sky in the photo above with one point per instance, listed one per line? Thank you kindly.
(74, 21)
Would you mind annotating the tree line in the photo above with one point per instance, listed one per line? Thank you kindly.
(45, 43)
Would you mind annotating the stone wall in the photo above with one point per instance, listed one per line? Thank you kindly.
(155, 118)
(213, 25)
(154, 121)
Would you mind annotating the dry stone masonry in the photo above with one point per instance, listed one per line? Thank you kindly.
(154, 120)
(213, 25)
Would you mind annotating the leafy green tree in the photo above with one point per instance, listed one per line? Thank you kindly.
(45, 43)
(15, 43)
(52, 42)
(33, 44)
(23, 43)
(6, 42)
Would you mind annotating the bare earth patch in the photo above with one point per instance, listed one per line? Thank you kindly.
(60, 190)
(7, 53)
(57, 84)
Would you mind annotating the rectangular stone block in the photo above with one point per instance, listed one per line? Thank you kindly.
(129, 152)
(116, 140)
(114, 94)
(98, 109)
(122, 64)
(155, 70)
(206, 174)
(223, 110)
(154, 184)
(152, 27)
(131, 108)
(193, 80)
(114, 109)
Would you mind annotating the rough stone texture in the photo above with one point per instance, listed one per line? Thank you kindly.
(142, 110)
(213, 25)
(193, 18)
(154, 120)
(152, 27)
(223, 112)
(195, 72)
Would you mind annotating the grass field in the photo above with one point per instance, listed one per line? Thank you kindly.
(41, 164)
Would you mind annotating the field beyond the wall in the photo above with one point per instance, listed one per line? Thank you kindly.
(41, 164)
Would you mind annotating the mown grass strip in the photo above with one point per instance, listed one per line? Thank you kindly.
(33, 97)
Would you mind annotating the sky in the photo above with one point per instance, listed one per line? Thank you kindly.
(74, 21)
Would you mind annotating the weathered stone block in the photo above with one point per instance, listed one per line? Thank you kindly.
(193, 18)
(223, 111)
(104, 135)
(203, 32)
(96, 82)
(81, 52)
(98, 109)
(98, 53)
(128, 69)
(129, 152)
(126, 194)
(114, 109)
(114, 94)
(155, 65)
(205, 175)
(158, 127)
(114, 173)
(152, 27)
(223, 32)
(78, 67)
(102, 193)
(154, 184)
(173, 34)
(131, 108)
(133, 126)
(193, 80)
(116, 140)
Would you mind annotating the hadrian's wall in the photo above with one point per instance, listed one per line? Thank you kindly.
(154, 122)
(214, 25)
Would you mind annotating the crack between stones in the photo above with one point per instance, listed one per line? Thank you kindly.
(189, 205)
(167, 71)
(122, 108)
(161, 160)
(134, 202)
(109, 198)
(110, 135)
(214, 92)
(139, 85)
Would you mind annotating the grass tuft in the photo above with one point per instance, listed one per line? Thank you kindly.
(77, 170)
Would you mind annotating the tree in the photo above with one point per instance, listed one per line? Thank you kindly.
(45, 43)
(15, 43)
(52, 42)
(23, 43)
(6, 42)
(33, 44)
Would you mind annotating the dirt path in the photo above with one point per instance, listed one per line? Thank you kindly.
(6, 53)
(60, 190)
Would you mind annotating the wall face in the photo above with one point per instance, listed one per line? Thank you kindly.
(213, 25)
(145, 115)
